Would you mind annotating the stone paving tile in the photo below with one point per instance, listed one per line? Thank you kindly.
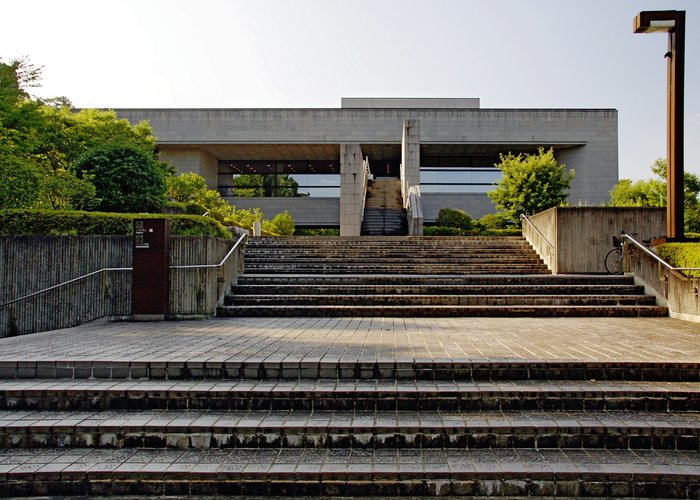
(331, 340)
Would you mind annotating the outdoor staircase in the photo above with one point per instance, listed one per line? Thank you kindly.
(350, 428)
(384, 210)
(429, 276)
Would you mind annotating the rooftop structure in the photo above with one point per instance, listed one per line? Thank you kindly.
(447, 147)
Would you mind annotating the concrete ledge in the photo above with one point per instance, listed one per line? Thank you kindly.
(677, 291)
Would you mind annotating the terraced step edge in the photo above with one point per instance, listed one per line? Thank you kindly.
(346, 396)
(568, 473)
(439, 311)
(196, 429)
(309, 368)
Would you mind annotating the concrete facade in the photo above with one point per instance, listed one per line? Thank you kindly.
(198, 139)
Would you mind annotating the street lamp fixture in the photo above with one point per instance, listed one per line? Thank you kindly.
(673, 23)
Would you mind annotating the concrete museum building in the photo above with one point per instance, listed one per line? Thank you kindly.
(372, 157)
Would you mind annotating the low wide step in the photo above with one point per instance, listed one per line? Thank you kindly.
(321, 288)
(350, 472)
(187, 429)
(443, 300)
(349, 395)
(441, 311)
(295, 368)
(333, 268)
(505, 280)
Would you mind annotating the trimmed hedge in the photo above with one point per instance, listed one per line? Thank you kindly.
(454, 231)
(681, 255)
(73, 222)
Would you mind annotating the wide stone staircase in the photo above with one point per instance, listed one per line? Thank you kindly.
(362, 427)
(384, 212)
(429, 276)
(295, 420)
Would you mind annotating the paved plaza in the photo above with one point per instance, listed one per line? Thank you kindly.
(366, 339)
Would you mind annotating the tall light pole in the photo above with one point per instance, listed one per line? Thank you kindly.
(673, 23)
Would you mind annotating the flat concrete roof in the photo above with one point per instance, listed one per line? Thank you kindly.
(409, 103)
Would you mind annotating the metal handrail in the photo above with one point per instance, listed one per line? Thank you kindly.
(211, 266)
(526, 219)
(108, 269)
(655, 256)
(103, 270)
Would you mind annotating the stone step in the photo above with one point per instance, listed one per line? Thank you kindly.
(437, 311)
(349, 395)
(508, 473)
(504, 280)
(201, 429)
(294, 368)
(568, 301)
(391, 242)
(368, 268)
(320, 288)
(504, 259)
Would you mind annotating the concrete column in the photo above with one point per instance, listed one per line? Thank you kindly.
(410, 156)
(351, 189)
(193, 160)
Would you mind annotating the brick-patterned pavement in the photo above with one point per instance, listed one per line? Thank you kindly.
(367, 339)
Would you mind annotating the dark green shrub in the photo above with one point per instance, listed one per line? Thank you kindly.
(681, 255)
(56, 222)
(127, 177)
(322, 231)
(496, 221)
(442, 231)
(450, 217)
(514, 231)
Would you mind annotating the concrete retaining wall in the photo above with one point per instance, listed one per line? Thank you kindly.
(35, 263)
(579, 238)
(671, 288)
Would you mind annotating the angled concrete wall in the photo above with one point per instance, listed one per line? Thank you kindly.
(577, 239)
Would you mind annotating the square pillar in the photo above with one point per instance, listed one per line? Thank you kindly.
(410, 157)
(351, 189)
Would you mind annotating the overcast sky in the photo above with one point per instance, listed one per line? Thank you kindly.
(229, 53)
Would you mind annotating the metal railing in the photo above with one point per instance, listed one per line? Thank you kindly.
(214, 266)
(68, 282)
(414, 210)
(366, 173)
(525, 218)
(661, 261)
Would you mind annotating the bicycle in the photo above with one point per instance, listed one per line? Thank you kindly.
(613, 259)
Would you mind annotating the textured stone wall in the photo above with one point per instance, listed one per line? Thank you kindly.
(582, 236)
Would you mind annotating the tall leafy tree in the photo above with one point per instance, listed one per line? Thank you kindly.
(652, 193)
(41, 139)
(530, 183)
(127, 178)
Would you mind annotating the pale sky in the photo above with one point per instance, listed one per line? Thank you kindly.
(310, 53)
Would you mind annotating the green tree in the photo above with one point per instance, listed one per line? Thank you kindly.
(191, 188)
(18, 180)
(530, 183)
(127, 178)
(652, 193)
(41, 139)
(257, 185)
